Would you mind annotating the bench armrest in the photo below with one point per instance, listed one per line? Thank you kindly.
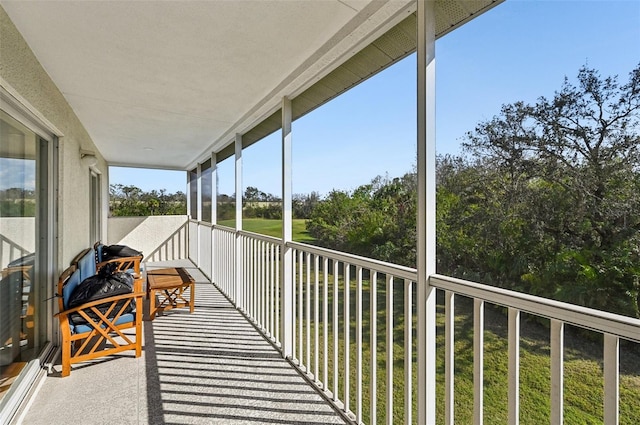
(100, 302)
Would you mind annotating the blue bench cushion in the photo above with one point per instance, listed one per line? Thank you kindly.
(87, 264)
(70, 286)
(125, 318)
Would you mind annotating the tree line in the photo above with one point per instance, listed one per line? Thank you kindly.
(258, 204)
(129, 200)
(544, 199)
(17, 202)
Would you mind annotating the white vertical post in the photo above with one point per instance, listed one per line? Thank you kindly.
(359, 344)
(336, 328)
(308, 312)
(478, 360)
(449, 357)
(214, 215)
(611, 379)
(277, 289)
(408, 352)
(236, 291)
(557, 372)
(316, 317)
(325, 323)
(300, 288)
(389, 353)
(373, 345)
(286, 271)
(514, 366)
(347, 327)
(198, 212)
(426, 229)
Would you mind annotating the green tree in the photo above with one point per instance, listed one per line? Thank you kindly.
(128, 200)
(561, 193)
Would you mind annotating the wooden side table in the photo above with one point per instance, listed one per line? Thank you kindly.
(169, 285)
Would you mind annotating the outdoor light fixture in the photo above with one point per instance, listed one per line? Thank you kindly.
(88, 158)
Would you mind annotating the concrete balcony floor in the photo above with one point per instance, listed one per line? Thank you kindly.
(209, 367)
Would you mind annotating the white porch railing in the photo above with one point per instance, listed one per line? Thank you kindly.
(348, 327)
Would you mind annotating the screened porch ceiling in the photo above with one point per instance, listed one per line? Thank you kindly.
(161, 84)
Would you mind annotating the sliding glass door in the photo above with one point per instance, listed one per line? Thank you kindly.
(24, 228)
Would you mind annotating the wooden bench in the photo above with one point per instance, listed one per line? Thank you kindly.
(169, 286)
(103, 333)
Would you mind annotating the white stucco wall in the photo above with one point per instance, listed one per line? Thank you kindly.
(23, 74)
(158, 237)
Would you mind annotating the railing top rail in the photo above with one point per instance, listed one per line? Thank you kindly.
(224, 228)
(588, 318)
(356, 260)
(258, 236)
(205, 223)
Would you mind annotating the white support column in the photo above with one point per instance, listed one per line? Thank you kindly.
(188, 192)
(236, 292)
(286, 272)
(199, 212)
(214, 214)
(199, 189)
(426, 249)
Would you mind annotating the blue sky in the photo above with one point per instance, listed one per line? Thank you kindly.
(520, 50)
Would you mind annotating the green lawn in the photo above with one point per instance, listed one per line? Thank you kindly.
(583, 397)
(583, 381)
(272, 228)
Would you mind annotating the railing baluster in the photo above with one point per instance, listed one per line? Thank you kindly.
(243, 269)
(269, 258)
(611, 379)
(336, 328)
(316, 317)
(373, 344)
(294, 299)
(325, 323)
(272, 307)
(557, 372)
(260, 286)
(308, 313)
(478, 360)
(268, 283)
(449, 357)
(300, 307)
(514, 366)
(254, 280)
(267, 288)
(358, 344)
(347, 335)
(408, 352)
(389, 354)
(277, 289)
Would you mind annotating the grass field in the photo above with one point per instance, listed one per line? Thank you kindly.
(272, 228)
(583, 377)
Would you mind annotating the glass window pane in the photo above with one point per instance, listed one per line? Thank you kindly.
(19, 203)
